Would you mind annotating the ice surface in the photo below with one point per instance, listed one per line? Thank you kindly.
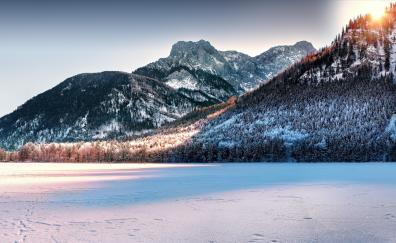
(197, 203)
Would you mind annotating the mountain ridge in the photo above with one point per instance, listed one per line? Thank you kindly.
(115, 105)
(242, 71)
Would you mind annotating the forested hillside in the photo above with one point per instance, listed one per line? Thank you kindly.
(94, 106)
(336, 105)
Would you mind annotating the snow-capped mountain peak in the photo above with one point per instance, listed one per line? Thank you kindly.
(240, 70)
(307, 46)
(182, 48)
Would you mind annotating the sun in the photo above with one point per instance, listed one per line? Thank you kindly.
(376, 11)
(375, 8)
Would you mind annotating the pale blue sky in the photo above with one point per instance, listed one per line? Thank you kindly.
(44, 42)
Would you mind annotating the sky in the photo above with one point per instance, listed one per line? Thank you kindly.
(44, 42)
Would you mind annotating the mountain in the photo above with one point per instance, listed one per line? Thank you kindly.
(278, 58)
(338, 104)
(106, 105)
(335, 105)
(240, 70)
(110, 105)
(94, 106)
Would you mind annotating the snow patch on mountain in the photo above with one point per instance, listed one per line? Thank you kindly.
(391, 128)
(182, 79)
(287, 134)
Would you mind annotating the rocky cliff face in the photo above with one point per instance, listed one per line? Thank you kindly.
(240, 70)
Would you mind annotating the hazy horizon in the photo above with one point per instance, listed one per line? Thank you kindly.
(46, 42)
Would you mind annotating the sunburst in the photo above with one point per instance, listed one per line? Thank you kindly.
(376, 11)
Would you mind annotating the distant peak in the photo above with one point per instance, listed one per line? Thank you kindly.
(305, 45)
(189, 46)
(200, 42)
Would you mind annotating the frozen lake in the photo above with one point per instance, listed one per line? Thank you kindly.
(47, 202)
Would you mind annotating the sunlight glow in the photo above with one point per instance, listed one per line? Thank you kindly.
(351, 9)
(27, 174)
(376, 13)
(376, 8)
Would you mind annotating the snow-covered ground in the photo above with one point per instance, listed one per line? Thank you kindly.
(197, 203)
